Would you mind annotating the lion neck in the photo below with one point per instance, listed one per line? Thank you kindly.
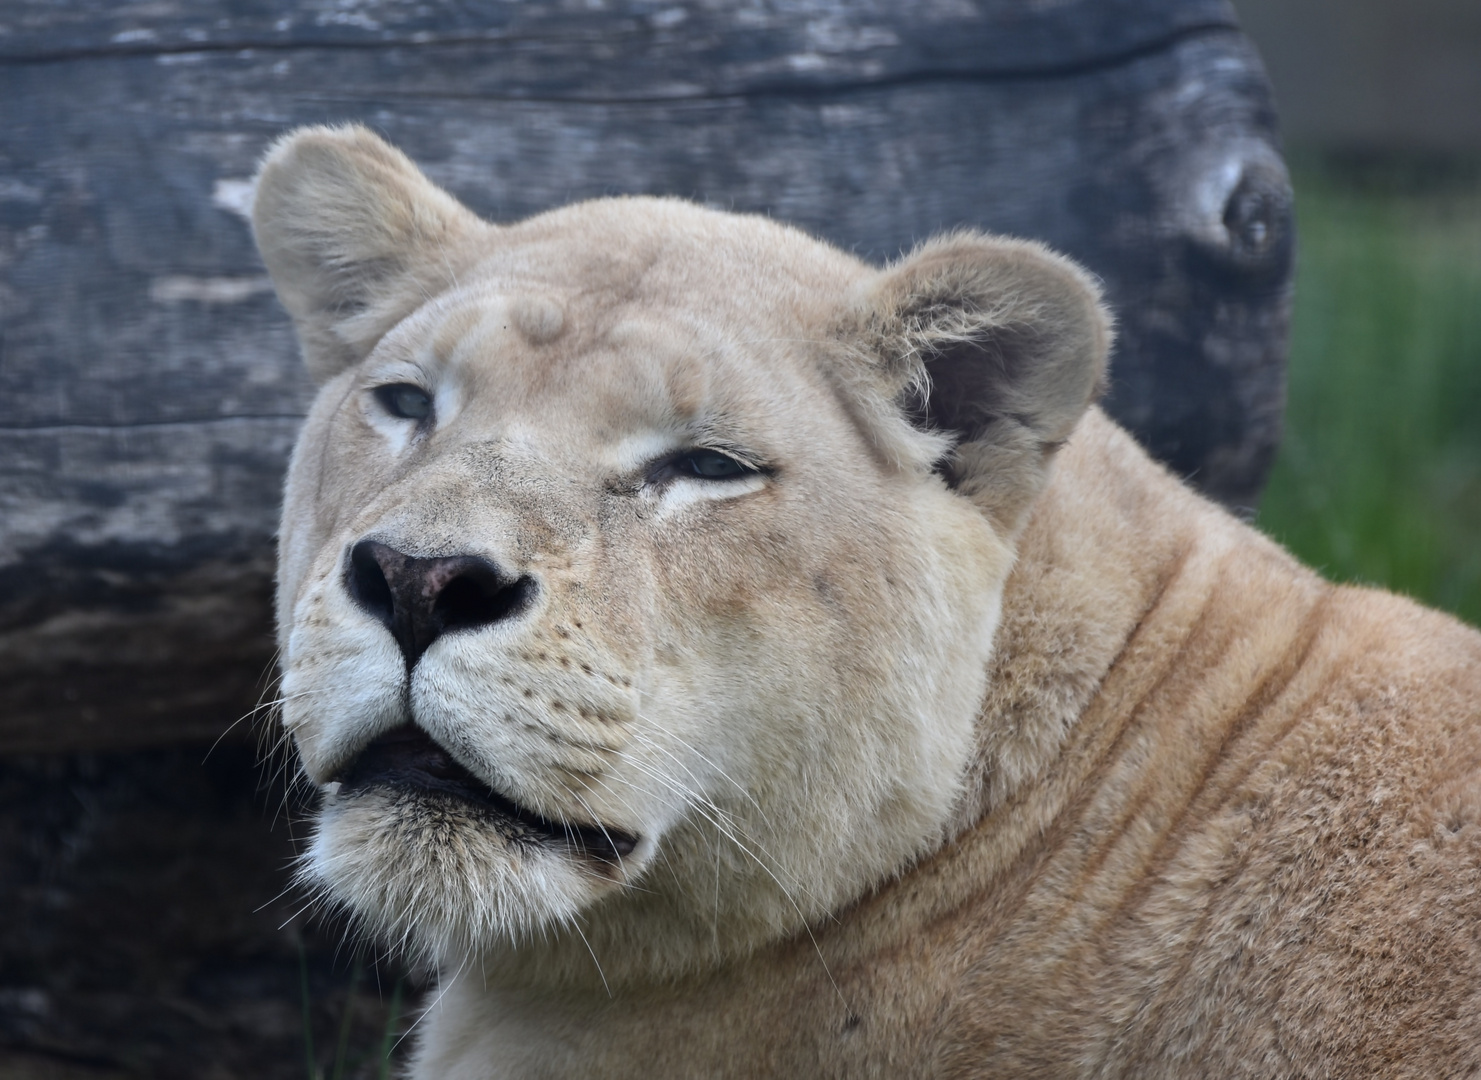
(1097, 552)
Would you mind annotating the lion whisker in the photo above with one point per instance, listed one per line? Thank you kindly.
(687, 745)
(693, 796)
(576, 925)
(725, 824)
(699, 804)
(621, 866)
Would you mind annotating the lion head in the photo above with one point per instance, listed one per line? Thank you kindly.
(640, 563)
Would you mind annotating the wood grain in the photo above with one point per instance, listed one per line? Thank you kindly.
(149, 385)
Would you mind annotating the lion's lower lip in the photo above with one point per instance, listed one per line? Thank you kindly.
(408, 758)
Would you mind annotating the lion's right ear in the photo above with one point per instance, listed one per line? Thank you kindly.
(355, 239)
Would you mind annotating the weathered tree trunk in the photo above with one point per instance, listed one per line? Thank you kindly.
(147, 931)
(149, 388)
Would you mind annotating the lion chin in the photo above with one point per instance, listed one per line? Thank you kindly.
(722, 657)
(414, 845)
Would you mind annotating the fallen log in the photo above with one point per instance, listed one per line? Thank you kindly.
(149, 386)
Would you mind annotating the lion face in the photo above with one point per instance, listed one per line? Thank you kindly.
(618, 591)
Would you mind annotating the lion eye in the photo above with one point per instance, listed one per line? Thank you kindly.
(406, 400)
(702, 464)
(711, 465)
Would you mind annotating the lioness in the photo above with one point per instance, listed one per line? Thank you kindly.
(721, 657)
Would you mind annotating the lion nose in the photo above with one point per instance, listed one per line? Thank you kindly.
(419, 600)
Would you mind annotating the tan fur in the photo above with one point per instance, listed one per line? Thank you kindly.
(1152, 800)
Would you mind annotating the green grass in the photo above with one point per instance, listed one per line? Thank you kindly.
(1379, 477)
(351, 1061)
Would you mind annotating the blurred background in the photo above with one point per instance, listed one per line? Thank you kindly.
(1378, 478)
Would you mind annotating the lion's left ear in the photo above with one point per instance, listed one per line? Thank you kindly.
(1000, 344)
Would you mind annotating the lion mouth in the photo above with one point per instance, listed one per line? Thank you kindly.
(408, 758)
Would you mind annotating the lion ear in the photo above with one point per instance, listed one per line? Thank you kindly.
(999, 344)
(355, 238)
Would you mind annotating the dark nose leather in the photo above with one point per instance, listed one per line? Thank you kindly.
(419, 600)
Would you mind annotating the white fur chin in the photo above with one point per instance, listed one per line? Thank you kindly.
(435, 882)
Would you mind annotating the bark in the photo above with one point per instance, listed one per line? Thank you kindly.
(149, 384)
